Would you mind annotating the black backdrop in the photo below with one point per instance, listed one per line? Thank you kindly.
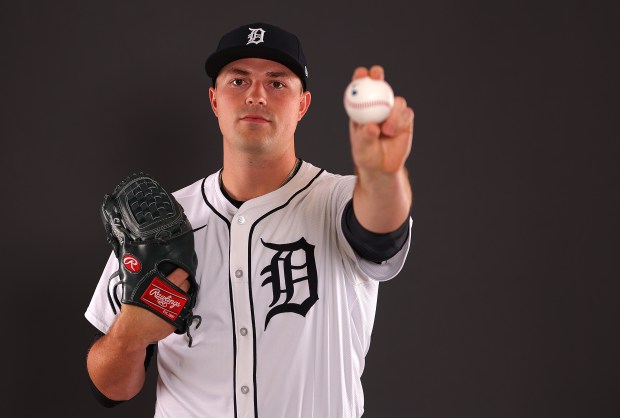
(508, 304)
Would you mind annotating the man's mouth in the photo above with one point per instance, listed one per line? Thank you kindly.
(254, 118)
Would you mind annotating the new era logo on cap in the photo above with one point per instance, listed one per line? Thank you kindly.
(259, 40)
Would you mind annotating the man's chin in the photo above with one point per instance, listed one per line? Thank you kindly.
(253, 141)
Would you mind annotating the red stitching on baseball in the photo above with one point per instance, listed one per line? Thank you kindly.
(368, 104)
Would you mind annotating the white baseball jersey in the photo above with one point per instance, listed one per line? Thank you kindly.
(287, 306)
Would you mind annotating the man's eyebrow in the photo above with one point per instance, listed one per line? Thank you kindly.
(238, 71)
(277, 74)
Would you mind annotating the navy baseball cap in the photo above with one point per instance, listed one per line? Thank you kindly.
(259, 40)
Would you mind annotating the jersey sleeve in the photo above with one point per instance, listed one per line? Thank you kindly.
(372, 246)
(386, 270)
(99, 311)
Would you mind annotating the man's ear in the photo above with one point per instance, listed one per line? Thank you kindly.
(212, 99)
(304, 104)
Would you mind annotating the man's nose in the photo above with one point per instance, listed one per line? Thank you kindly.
(256, 95)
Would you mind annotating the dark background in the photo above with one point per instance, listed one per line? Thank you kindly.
(508, 304)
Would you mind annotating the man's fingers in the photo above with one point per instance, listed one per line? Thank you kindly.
(396, 119)
(368, 132)
(376, 72)
(360, 72)
(179, 278)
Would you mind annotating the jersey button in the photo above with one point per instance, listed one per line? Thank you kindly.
(241, 220)
(239, 274)
(243, 331)
(245, 390)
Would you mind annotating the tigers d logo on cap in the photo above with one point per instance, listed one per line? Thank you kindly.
(256, 36)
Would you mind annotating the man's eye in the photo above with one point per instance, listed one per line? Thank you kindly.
(278, 85)
(237, 82)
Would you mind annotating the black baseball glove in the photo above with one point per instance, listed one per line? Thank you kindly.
(151, 237)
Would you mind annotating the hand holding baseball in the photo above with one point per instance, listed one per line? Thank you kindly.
(381, 137)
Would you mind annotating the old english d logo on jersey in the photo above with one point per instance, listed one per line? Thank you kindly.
(256, 36)
(285, 283)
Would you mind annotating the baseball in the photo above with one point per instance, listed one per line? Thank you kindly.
(368, 100)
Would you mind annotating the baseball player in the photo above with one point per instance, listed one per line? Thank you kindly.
(290, 257)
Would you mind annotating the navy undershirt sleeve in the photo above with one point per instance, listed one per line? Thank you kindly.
(101, 398)
(369, 245)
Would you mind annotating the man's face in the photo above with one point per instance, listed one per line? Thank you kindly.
(258, 103)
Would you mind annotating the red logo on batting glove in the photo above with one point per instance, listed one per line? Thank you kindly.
(131, 263)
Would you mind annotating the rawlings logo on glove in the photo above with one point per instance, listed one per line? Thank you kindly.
(131, 263)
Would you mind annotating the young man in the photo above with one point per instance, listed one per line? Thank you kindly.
(289, 262)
